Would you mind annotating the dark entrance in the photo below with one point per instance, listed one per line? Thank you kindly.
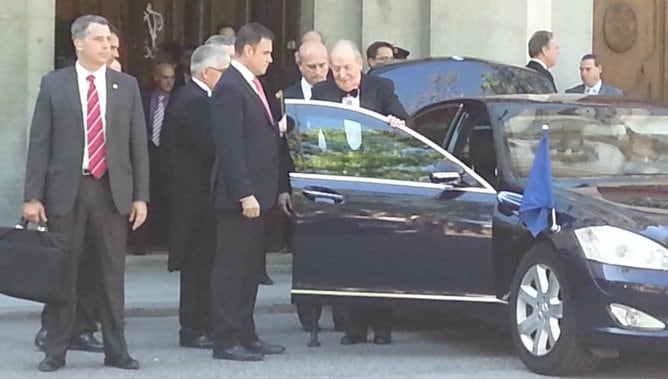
(189, 22)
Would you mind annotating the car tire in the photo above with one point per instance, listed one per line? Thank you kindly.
(542, 319)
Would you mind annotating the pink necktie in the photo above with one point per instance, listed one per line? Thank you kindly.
(97, 163)
(258, 87)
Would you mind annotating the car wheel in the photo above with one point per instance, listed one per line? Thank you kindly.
(542, 320)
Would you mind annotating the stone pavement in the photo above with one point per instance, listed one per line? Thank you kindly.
(150, 290)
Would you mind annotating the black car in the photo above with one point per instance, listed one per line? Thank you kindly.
(431, 216)
(423, 82)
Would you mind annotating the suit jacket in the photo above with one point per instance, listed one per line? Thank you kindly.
(376, 94)
(294, 91)
(188, 154)
(249, 156)
(606, 90)
(538, 67)
(56, 148)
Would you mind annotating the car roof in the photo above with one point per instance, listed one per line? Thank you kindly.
(421, 82)
(562, 98)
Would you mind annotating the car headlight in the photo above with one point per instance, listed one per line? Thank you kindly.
(615, 246)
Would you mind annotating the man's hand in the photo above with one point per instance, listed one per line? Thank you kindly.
(285, 203)
(395, 122)
(250, 207)
(34, 212)
(138, 214)
(283, 125)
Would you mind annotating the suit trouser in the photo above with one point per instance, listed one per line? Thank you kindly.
(95, 216)
(86, 315)
(234, 279)
(195, 290)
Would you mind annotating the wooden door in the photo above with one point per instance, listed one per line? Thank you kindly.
(629, 38)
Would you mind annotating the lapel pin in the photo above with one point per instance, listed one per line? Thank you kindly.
(114, 85)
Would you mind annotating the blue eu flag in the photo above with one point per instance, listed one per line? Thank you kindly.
(538, 198)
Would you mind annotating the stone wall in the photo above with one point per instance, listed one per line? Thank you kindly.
(27, 40)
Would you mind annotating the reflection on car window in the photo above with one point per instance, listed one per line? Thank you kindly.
(435, 123)
(589, 141)
(334, 141)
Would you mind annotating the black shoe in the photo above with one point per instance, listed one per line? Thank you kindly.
(40, 337)
(382, 339)
(125, 363)
(86, 341)
(51, 363)
(266, 348)
(351, 339)
(237, 353)
(265, 280)
(201, 342)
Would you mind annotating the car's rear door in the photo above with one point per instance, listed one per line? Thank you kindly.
(368, 220)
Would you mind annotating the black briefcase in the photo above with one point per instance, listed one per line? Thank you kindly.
(32, 263)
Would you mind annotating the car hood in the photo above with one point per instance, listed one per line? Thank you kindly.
(640, 207)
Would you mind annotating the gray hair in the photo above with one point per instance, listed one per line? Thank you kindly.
(81, 24)
(538, 41)
(207, 56)
(217, 39)
(346, 44)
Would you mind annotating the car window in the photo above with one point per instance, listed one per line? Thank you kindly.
(435, 123)
(344, 142)
(421, 83)
(472, 142)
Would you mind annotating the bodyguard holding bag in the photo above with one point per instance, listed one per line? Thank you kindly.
(87, 176)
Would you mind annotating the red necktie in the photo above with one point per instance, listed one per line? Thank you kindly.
(97, 163)
(260, 91)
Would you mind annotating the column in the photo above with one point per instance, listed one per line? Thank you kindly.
(27, 37)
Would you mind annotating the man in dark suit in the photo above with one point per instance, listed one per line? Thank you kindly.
(590, 73)
(350, 86)
(189, 159)
(155, 100)
(250, 177)
(313, 65)
(544, 53)
(87, 168)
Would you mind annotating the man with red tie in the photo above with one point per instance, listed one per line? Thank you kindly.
(87, 177)
(250, 178)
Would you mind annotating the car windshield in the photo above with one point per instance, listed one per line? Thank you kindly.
(587, 140)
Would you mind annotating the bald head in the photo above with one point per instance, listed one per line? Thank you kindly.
(311, 36)
(312, 62)
(345, 60)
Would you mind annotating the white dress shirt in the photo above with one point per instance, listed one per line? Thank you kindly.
(203, 86)
(247, 74)
(306, 89)
(594, 90)
(101, 86)
(539, 62)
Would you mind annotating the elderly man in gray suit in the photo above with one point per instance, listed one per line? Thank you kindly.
(590, 73)
(87, 170)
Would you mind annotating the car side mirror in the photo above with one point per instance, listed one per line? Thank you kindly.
(509, 203)
(446, 172)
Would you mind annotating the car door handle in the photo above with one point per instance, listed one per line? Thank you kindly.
(322, 195)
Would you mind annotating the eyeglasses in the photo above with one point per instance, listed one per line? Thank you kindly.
(221, 70)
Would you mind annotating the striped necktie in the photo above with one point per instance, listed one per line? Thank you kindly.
(97, 162)
(158, 117)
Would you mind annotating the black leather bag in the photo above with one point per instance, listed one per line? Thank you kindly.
(32, 263)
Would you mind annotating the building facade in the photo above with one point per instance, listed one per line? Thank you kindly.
(629, 35)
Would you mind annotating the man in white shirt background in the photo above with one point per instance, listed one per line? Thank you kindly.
(590, 73)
